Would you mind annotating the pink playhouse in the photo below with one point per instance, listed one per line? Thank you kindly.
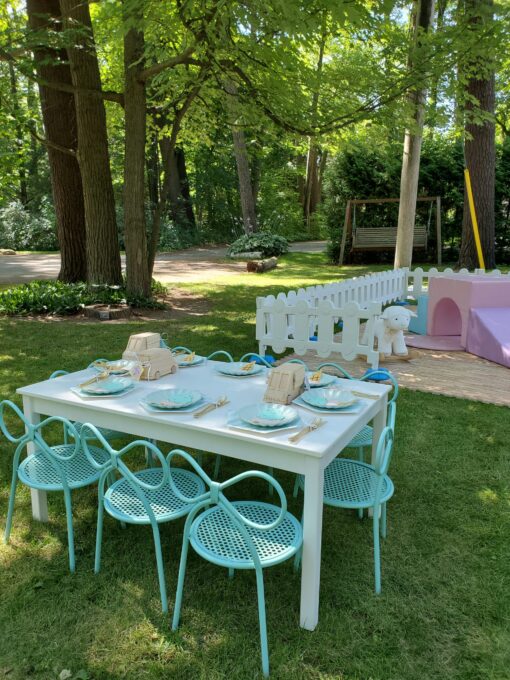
(472, 312)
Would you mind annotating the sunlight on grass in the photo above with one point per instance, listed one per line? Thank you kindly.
(443, 612)
(488, 496)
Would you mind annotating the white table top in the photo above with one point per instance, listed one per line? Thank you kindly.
(47, 396)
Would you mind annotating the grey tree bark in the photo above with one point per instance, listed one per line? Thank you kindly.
(103, 252)
(246, 193)
(480, 156)
(412, 149)
(138, 280)
(59, 119)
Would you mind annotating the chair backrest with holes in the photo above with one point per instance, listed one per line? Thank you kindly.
(215, 496)
(116, 464)
(34, 433)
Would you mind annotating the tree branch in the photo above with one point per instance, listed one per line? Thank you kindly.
(52, 145)
(184, 58)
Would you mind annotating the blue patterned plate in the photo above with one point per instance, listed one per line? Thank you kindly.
(184, 363)
(118, 367)
(235, 369)
(325, 380)
(347, 410)
(174, 399)
(330, 398)
(108, 386)
(267, 415)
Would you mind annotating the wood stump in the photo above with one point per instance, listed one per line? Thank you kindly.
(261, 266)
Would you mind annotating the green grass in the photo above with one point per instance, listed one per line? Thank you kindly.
(444, 609)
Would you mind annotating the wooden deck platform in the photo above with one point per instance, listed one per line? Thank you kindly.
(454, 374)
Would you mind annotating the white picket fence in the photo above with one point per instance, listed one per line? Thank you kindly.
(287, 326)
(288, 320)
(419, 279)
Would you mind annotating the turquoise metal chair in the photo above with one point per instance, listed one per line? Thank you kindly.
(106, 432)
(364, 437)
(357, 485)
(50, 468)
(236, 535)
(143, 497)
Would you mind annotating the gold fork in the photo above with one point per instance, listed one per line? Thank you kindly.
(210, 407)
(314, 425)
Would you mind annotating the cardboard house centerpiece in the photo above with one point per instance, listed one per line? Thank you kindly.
(285, 383)
(156, 361)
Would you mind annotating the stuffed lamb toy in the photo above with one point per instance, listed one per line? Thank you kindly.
(389, 330)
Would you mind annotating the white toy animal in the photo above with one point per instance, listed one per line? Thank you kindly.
(389, 330)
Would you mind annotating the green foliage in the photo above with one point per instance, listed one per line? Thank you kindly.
(24, 230)
(55, 297)
(263, 242)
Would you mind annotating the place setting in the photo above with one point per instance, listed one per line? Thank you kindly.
(239, 369)
(104, 387)
(265, 418)
(185, 358)
(330, 400)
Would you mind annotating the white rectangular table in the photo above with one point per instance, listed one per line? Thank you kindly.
(211, 433)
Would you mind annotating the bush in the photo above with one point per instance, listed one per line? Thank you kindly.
(265, 243)
(55, 297)
(22, 230)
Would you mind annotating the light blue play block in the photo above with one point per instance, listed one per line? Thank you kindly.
(419, 323)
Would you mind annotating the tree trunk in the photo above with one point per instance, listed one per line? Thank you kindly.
(185, 192)
(412, 151)
(248, 209)
(480, 159)
(135, 237)
(103, 253)
(22, 175)
(311, 178)
(59, 119)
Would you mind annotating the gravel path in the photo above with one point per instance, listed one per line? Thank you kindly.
(194, 264)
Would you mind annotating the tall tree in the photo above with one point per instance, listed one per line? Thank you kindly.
(314, 159)
(135, 237)
(103, 253)
(246, 192)
(480, 144)
(412, 139)
(59, 118)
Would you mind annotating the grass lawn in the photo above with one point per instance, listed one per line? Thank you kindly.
(444, 610)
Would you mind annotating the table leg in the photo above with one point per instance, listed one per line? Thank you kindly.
(39, 498)
(312, 538)
(379, 423)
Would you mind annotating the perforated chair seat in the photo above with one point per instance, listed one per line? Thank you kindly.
(352, 484)
(216, 537)
(122, 502)
(38, 472)
(105, 431)
(363, 438)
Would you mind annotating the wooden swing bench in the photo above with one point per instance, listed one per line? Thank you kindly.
(385, 238)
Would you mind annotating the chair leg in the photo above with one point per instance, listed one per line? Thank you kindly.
(10, 511)
(361, 454)
(99, 536)
(161, 571)
(262, 622)
(377, 552)
(231, 573)
(149, 458)
(180, 584)
(360, 513)
(383, 520)
(270, 471)
(70, 532)
(217, 465)
(296, 487)
(297, 560)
